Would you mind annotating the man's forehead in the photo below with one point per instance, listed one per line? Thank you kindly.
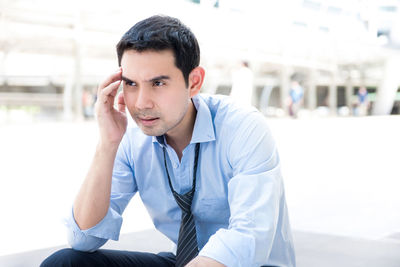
(147, 65)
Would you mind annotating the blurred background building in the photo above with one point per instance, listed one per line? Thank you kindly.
(54, 53)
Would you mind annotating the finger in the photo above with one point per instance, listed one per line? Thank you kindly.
(107, 95)
(110, 79)
(111, 90)
(121, 102)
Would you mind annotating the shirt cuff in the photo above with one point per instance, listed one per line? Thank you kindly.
(231, 248)
(93, 238)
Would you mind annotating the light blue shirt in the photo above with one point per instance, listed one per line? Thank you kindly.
(239, 205)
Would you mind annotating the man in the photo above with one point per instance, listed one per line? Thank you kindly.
(362, 102)
(295, 98)
(207, 171)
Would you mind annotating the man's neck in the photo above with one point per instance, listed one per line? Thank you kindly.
(180, 137)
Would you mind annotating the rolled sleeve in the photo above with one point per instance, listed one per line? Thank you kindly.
(93, 238)
(224, 245)
(254, 195)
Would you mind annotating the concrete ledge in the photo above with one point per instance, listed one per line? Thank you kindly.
(320, 250)
(312, 250)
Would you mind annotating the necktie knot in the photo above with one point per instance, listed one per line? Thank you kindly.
(184, 201)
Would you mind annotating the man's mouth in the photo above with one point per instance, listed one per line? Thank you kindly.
(148, 121)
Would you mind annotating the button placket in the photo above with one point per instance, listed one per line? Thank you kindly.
(188, 169)
(182, 171)
(174, 163)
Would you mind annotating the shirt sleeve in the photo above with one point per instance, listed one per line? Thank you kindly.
(254, 195)
(122, 190)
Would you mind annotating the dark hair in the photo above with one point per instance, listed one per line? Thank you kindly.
(161, 33)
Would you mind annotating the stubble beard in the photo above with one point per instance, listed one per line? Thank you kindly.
(162, 127)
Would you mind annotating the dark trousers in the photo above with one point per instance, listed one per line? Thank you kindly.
(108, 258)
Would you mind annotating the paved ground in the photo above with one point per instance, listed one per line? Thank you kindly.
(341, 177)
(312, 250)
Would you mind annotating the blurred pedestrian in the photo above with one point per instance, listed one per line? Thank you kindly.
(295, 101)
(88, 101)
(362, 105)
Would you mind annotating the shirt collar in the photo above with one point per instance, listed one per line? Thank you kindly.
(160, 140)
(203, 127)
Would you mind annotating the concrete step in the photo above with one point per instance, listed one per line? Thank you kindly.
(312, 250)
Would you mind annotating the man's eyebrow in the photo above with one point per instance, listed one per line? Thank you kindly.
(157, 78)
(126, 79)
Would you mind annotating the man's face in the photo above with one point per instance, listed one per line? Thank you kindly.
(154, 90)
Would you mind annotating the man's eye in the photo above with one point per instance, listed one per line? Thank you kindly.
(158, 83)
(128, 83)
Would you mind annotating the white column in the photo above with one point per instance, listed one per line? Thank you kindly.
(333, 95)
(284, 85)
(312, 90)
(78, 69)
(388, 87)
(67, 99)
(4, 47)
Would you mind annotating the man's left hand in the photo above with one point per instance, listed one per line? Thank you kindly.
(201, 261)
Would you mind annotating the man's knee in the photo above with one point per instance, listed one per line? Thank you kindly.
(65, 258)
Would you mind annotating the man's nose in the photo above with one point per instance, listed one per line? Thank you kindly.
(144, 99)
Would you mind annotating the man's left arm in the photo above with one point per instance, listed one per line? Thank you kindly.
(255, 193)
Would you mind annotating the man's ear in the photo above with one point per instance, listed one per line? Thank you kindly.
(196, 78)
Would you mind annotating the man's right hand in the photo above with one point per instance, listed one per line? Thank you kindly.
(112, 122)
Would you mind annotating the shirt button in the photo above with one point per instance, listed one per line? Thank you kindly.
(175, 165)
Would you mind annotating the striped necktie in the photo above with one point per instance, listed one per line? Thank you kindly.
(187, 247)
